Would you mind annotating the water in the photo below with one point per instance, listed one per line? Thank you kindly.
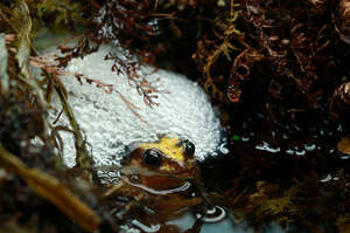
(186, 221)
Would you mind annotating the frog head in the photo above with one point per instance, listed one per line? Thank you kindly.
(163, 164)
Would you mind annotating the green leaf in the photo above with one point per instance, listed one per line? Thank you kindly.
(3, 65)
(63, 12)
(23, 37)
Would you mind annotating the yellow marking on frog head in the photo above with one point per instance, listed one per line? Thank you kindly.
(176, 163)
(170, 147)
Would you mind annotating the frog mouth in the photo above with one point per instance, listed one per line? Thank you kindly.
(144, 171)
(184, 186)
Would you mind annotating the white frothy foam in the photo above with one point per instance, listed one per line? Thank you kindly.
(110, 126)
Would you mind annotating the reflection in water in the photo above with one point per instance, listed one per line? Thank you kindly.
(144, 227)
(226, 225)
(216, 214)
(267, 147)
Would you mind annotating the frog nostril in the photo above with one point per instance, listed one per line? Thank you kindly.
(152, 157)
(189, 148)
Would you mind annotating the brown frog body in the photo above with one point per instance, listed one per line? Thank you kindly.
(160, 172)
(160, 176)
(163, 181)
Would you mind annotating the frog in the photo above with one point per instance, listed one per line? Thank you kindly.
(161, 167)
(161, 175)
(166, 164)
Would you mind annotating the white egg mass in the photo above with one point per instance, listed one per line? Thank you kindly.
(110, 122)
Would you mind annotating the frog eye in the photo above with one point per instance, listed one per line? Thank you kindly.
(189, 147)
(152, 157)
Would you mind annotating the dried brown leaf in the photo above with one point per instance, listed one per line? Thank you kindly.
(51, 189)
(344, 145)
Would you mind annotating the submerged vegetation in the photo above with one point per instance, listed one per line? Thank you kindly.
(278, 70)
